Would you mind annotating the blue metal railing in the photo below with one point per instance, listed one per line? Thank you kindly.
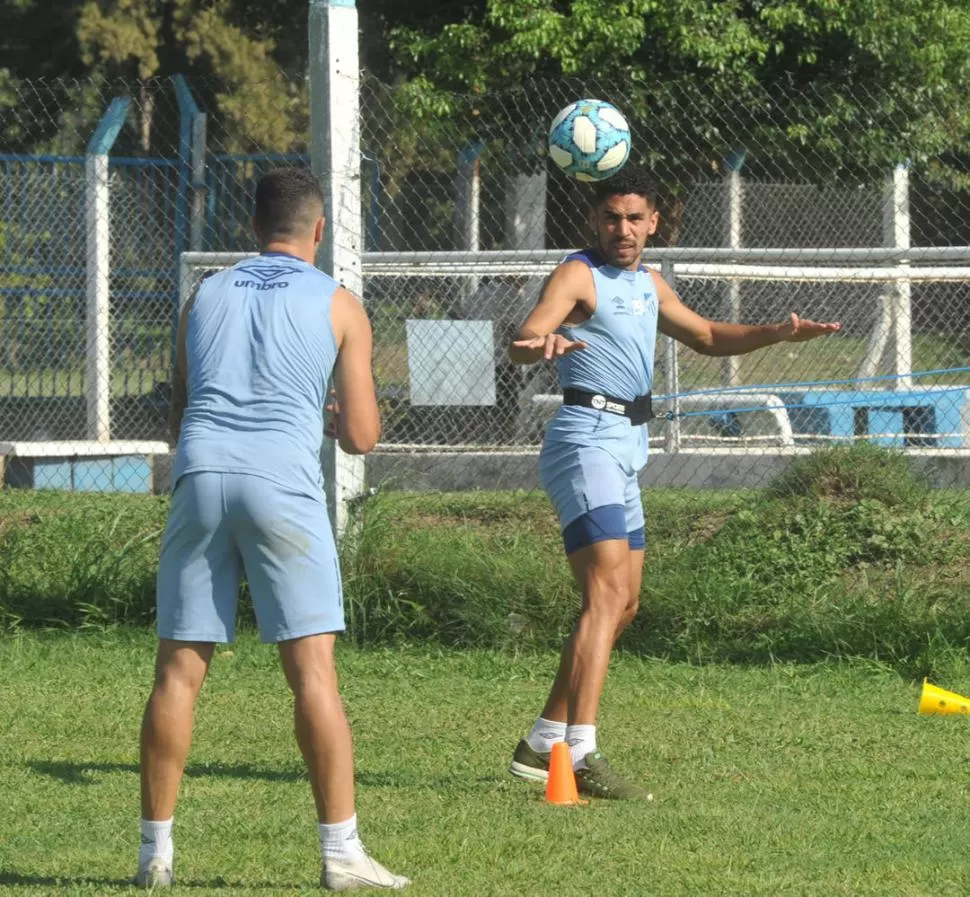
(43, 250)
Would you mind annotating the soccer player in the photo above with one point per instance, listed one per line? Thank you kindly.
(256, 347)
(597, 319)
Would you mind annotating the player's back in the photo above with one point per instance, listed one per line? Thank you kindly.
(260, 349)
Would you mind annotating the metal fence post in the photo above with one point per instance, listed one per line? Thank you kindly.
(672, 436)
(335, 159)
(732, 212)
(896, 224)
(97, 188)
(468, 207)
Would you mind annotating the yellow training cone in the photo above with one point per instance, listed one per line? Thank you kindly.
(938, 700)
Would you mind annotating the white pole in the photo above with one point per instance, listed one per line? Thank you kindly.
(672, 435)
(335, 158)
(97, 367)
(468, 209)
(898, 234)
(731, 364)
(97, 374)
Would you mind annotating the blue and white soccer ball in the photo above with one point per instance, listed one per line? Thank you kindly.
(590, 140)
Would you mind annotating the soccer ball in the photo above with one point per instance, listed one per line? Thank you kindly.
(589, 140)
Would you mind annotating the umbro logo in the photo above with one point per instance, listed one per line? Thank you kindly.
(266, 273)
(619, 306)
(268, 277)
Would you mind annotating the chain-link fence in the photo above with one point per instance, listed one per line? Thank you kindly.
(108, 186)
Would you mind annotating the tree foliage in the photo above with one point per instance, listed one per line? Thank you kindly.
(236, 70)
(863, 85)
(866, 84)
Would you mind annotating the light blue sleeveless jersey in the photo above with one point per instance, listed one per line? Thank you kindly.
(260, 350)
(621, 338)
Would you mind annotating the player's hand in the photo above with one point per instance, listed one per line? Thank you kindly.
(800, 330)
(550, 346)
(331, 427)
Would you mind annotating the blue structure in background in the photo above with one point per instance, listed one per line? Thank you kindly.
(931, 416)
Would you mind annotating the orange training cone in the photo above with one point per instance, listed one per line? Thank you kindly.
(561, 785)
(938, 700)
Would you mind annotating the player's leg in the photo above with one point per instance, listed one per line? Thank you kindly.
(556, 707)
(590, 492)
(322, 731)
(633, 595)
(197, 585)
(291, 565)
(636, 539)
(602, 570)
(166, 734)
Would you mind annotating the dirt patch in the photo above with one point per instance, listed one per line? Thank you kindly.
(709, 525)
(19, 520)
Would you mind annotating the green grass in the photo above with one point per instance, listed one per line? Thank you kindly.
(824, 360)
(132, 380)
(827, 359)
(779, 780)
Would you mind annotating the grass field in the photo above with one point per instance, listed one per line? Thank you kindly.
(775, 780)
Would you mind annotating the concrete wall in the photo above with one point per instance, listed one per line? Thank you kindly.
(460, 471)
(707, 470)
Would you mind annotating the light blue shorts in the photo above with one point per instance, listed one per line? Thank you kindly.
(223, 524)
(578, 479)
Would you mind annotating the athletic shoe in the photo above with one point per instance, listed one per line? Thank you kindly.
(363, 872)
(598, 779)
(155, 874)
(530, 764)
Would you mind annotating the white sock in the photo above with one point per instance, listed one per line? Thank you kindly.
(545, 733)
(339, 840)
(156, 841)
(581, 741)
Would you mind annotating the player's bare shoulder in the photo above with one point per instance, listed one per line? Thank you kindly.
(347, 316)
(665, 293)
(572, 282)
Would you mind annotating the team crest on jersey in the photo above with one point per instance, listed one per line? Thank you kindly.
(644, 306)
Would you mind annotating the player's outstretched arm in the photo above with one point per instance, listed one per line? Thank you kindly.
(355, 419)
(569, 289)
(720, 338)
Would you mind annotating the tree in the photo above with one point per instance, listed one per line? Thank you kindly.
(859, 86)
(105, 46)
(143, 38)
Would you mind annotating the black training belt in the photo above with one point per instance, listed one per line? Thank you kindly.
(640, 410)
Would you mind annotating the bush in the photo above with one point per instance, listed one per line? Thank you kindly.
(853, 473)
(78, 560)
(847, 554)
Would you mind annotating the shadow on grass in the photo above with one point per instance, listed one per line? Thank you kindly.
(79, 773)
(8, 877)
(84, 773)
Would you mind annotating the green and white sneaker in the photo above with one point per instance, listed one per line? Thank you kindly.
(598, 779)
(530, 764)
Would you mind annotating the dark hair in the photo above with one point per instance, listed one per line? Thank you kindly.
(288, 203)
(629, 179)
